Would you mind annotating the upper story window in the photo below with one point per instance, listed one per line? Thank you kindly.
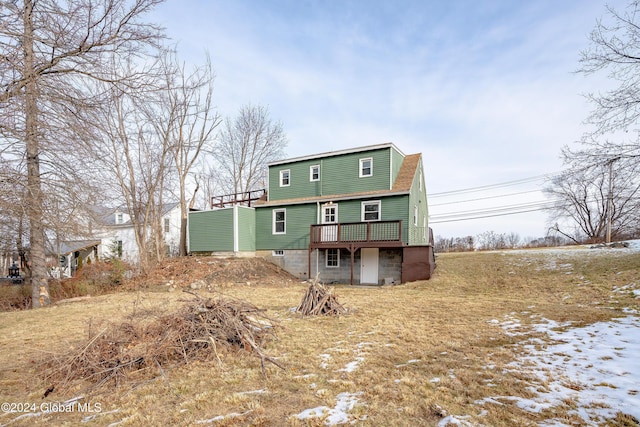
(119, 218)
(314, 173)
(415, 215)
(371, 211)
(279, 221)
(366, 167)
(167, 224)
(285, 178)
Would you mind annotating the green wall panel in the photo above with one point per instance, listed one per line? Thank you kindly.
(298, 221)
(211, 231)
(338, 175)
(300, 217)
(246, 229)
(418, 234)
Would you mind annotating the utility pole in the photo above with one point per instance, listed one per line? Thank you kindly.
(610, 200)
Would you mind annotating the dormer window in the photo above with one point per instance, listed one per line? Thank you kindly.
(366, 167)
(285, 178)
(119, 218)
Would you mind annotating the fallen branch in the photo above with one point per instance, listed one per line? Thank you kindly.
(197, 331)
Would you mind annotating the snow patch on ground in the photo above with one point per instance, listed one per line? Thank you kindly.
(339, 414)
(595, 367)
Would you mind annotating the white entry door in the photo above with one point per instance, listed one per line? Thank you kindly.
(330, 216)
(369, 266)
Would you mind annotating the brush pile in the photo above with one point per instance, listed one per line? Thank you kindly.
(201, 330)
(320, 301)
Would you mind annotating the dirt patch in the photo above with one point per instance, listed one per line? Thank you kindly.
(206, 272)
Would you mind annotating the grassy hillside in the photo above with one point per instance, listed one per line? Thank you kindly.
(407, 355)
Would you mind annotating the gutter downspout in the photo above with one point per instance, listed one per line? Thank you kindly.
(318, 222)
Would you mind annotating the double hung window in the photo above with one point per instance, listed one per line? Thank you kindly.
(314, 173)
(285, 178)
(371, 211)
(279, 221)
(366, 167)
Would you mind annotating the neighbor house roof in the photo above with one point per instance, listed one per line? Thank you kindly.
(106, 216)
(69, 246)
(402, 185)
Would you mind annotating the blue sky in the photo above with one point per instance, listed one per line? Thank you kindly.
(485, 90)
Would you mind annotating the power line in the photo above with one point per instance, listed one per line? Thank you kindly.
(492, 186)
(486, 216)
(492, 212)
(484, 198)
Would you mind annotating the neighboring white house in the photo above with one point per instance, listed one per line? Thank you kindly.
(112, 236)
(118, 236)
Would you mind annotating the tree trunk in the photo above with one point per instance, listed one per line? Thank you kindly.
(39, 284)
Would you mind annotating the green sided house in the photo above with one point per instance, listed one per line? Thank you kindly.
(355, 216)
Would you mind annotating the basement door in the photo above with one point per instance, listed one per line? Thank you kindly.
(369, 266)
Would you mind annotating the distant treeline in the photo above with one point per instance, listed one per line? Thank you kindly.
(490, 240)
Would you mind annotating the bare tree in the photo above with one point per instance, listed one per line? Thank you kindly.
(512, 240)
(490, 240)
(49, 49)
(597, 192)
(614, 47)
(246, 144)
(138, 160)
(186, 118)
(585, 203)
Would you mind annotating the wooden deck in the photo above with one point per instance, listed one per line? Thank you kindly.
(374, 234)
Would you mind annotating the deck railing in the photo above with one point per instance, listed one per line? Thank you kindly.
(357, 232)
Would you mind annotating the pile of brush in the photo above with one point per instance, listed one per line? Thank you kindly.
(201, 330)
(320, 301)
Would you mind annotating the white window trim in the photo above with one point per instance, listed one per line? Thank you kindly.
(415, 215)
(335, 213)
(326, 259)
(311, 173)
(371, 202)
(288, 171)
(277, 252)
(273, 229)
(370, 159)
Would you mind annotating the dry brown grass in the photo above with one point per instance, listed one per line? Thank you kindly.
(417, 351)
